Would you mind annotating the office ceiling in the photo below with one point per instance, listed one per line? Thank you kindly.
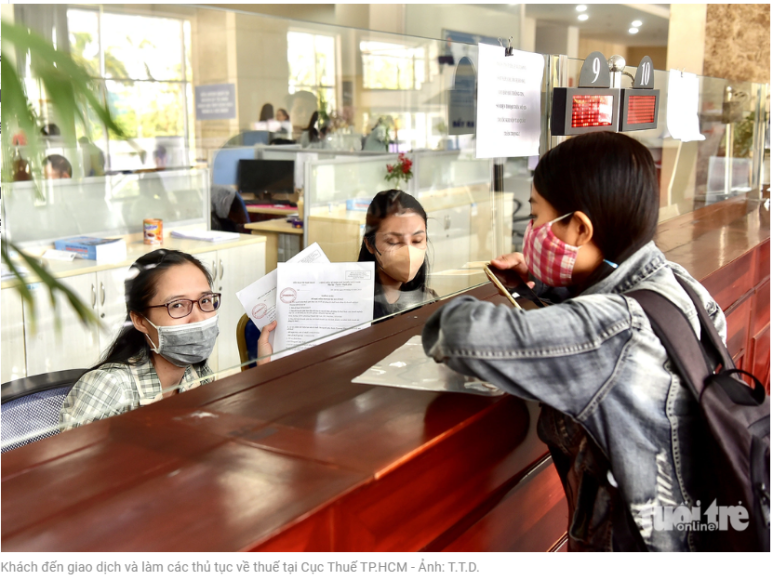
(607, 22)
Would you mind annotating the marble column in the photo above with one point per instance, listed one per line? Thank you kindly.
(738, 42)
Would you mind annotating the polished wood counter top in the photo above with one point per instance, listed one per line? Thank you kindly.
(711, 237)
(291, 456)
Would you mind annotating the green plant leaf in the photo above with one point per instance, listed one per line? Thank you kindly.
(86, 315)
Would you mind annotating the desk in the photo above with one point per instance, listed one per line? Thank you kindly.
(271, 230)
(276, 459)
(272, 209)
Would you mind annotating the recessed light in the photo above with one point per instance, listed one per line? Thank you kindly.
(636, 23)
(583, 17)
(581, 8)
(633, 30)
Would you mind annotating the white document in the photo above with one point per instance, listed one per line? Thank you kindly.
(317, 300)
(682, 108)
(508, 120)
(409, 368)
(259, 298)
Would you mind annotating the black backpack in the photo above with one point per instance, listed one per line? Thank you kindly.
(735, 461)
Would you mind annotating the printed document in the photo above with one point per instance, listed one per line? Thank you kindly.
(259, 298)
(317, 300)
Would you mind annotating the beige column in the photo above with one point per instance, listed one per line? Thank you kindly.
(686, 42)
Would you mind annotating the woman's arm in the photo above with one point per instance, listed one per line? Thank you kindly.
(560, 355)
(97, 394)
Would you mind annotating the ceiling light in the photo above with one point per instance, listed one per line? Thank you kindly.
(636, 23)
(583, 17)
(581, 8)
(633, 30)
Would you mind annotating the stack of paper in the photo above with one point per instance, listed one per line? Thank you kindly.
(205, 235)
(409, 368)
(316, 299)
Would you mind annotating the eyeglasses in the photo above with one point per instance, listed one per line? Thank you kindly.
(182, 307)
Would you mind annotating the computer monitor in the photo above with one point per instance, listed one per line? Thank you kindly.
(265, 177)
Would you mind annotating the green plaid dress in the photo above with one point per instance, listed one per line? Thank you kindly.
(116, 388)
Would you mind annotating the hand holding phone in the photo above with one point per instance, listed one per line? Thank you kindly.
(509, 282)
(495, 275)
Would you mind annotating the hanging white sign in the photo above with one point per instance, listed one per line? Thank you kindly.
(682, 108)
(508, 120)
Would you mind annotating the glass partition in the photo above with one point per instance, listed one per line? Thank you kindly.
(38, 213)
(341, 105)
(724, 164)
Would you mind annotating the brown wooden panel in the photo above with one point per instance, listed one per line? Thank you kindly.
(410, 506)
(738, 326)
(532, 517)
(732, 282)
(763, 261)
(761, 313)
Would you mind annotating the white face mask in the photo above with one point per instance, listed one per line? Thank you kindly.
(186, 344)
(403, 263)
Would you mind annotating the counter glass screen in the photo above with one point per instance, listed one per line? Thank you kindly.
(592, 110)
(641, 109)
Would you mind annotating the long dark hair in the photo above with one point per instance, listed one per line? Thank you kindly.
(385, 204)
(267, 112)
(611, 178)
(140, 287)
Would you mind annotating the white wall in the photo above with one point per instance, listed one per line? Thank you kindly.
(429, 20)
(557, 40)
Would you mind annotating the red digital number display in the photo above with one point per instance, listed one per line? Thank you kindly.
(641, 109)
(592, 110)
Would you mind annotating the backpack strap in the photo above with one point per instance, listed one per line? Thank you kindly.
(673, 329)
(709, 332)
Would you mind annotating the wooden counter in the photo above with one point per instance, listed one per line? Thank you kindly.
(293, 456)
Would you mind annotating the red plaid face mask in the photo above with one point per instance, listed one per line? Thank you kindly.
(547, 257)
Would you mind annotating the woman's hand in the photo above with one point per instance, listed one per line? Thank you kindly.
(516, 263)
(265, 350)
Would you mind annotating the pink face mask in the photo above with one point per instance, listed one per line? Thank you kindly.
(546, 256)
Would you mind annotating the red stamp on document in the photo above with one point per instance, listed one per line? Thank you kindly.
(288, 295)
(259, 311)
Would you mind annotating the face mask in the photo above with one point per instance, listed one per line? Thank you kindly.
(186, 344)
(403, 263)
(547, 257)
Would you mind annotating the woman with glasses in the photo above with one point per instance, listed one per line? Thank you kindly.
(169, 333)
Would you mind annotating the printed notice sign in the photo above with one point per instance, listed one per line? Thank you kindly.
(215, 102)
(508, 103)
(682, 111)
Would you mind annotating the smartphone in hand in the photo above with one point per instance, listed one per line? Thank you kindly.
(509, 282)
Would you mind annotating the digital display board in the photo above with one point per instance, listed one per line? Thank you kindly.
(584, 110)
(639, 109)
(592, 110)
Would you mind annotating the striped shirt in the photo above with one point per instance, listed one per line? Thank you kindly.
(116, 388)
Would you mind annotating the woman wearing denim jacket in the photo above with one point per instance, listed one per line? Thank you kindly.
(623, 431)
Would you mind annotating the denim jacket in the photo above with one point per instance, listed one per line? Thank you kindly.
(596, 361)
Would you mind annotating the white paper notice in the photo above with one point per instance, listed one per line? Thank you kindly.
(317, 300)
(682, 107)
(259, 298)
(508, 103)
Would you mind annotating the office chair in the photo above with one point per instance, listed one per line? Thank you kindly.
(247, 335)
(30, 406)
